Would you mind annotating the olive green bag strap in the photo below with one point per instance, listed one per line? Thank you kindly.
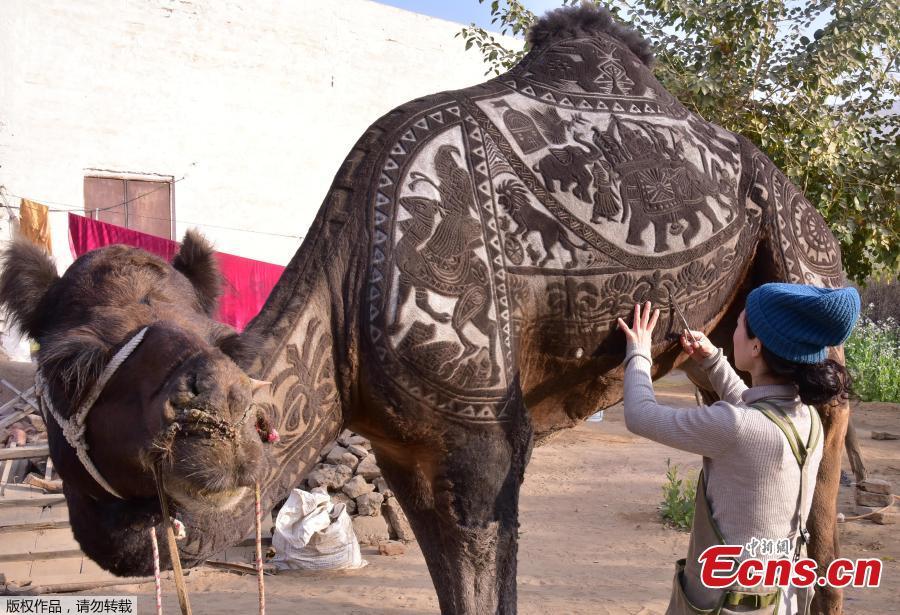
(801, 453)
(778, 416)
(786, 425)
(751, 601)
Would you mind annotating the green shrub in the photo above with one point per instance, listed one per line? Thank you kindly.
(873, 359)
(677, 507)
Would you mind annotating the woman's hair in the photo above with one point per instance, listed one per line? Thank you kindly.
(819, 383)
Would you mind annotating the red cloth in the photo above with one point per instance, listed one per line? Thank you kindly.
(248, 282)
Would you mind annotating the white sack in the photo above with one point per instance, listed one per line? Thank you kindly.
(311, 533)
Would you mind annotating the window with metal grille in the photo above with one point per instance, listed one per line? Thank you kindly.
(136, 202)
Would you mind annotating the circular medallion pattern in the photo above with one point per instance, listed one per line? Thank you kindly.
(817, 245)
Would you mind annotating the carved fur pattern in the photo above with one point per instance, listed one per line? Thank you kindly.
(524, 223)
(807, 251)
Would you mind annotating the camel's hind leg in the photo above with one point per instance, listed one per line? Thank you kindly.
(824, 544)
(461, 495)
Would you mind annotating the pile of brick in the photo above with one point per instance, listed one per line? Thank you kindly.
(350, 473)
(873, 498)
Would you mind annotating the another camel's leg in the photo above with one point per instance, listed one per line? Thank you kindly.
(824, 544)
(851, 445)
(461, 496)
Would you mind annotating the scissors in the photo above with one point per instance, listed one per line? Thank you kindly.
(679, 313)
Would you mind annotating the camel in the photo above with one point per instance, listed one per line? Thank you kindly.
(454, 386)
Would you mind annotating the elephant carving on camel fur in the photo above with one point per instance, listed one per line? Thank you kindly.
(450, 302)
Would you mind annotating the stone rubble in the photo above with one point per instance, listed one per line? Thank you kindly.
(348, 469)
(874, 498)
(357, 486)
(392, 547)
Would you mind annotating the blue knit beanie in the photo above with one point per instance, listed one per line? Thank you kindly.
(798, 322)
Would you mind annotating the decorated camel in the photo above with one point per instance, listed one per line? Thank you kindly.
(454, 301)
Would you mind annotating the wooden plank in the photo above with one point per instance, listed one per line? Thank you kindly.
(20, 545)
(12, 468)
(34, 527)
(18, 469)
(15, 571)
(76, 586)
(14, 500)
(89, 566)
(39, 545)
(55, 540)
(27, 395)
(69, 567)
(15, 417)
(25, 452)
(13, 516)
(9, 404)
(40, 556)
(50, 486)
(23, 491)
(4, 476)
(268, 569)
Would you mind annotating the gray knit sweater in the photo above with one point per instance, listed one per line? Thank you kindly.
(753, 481)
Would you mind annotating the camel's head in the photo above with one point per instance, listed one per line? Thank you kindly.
(180, 402)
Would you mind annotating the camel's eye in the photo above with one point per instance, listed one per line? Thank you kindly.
(145, 299)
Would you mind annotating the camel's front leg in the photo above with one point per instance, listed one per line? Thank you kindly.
(824, 544)
(461, 496)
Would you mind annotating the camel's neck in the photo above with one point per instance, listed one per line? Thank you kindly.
(298, 357)
(307, 347)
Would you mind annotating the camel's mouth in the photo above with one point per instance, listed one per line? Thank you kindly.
(203, 473)
(210, 451)
(192, 500)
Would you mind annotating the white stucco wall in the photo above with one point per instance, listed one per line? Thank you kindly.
(254, 103)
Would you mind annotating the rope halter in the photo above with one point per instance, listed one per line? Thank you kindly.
(74, 428)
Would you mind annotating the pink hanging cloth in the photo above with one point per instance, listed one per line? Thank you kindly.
(247, 285)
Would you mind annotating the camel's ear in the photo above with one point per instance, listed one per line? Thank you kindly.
(28, 273)
(197, 261)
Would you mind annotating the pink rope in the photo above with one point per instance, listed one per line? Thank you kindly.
(259, 559)
(156, 575)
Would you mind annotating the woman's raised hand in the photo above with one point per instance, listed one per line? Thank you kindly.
(696, 345)
(641, 332)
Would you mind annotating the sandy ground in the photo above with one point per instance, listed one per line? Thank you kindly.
(591, 537)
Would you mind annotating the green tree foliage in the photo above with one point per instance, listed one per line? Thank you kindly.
(815, 84)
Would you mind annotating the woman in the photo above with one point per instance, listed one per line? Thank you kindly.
(758, 442)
